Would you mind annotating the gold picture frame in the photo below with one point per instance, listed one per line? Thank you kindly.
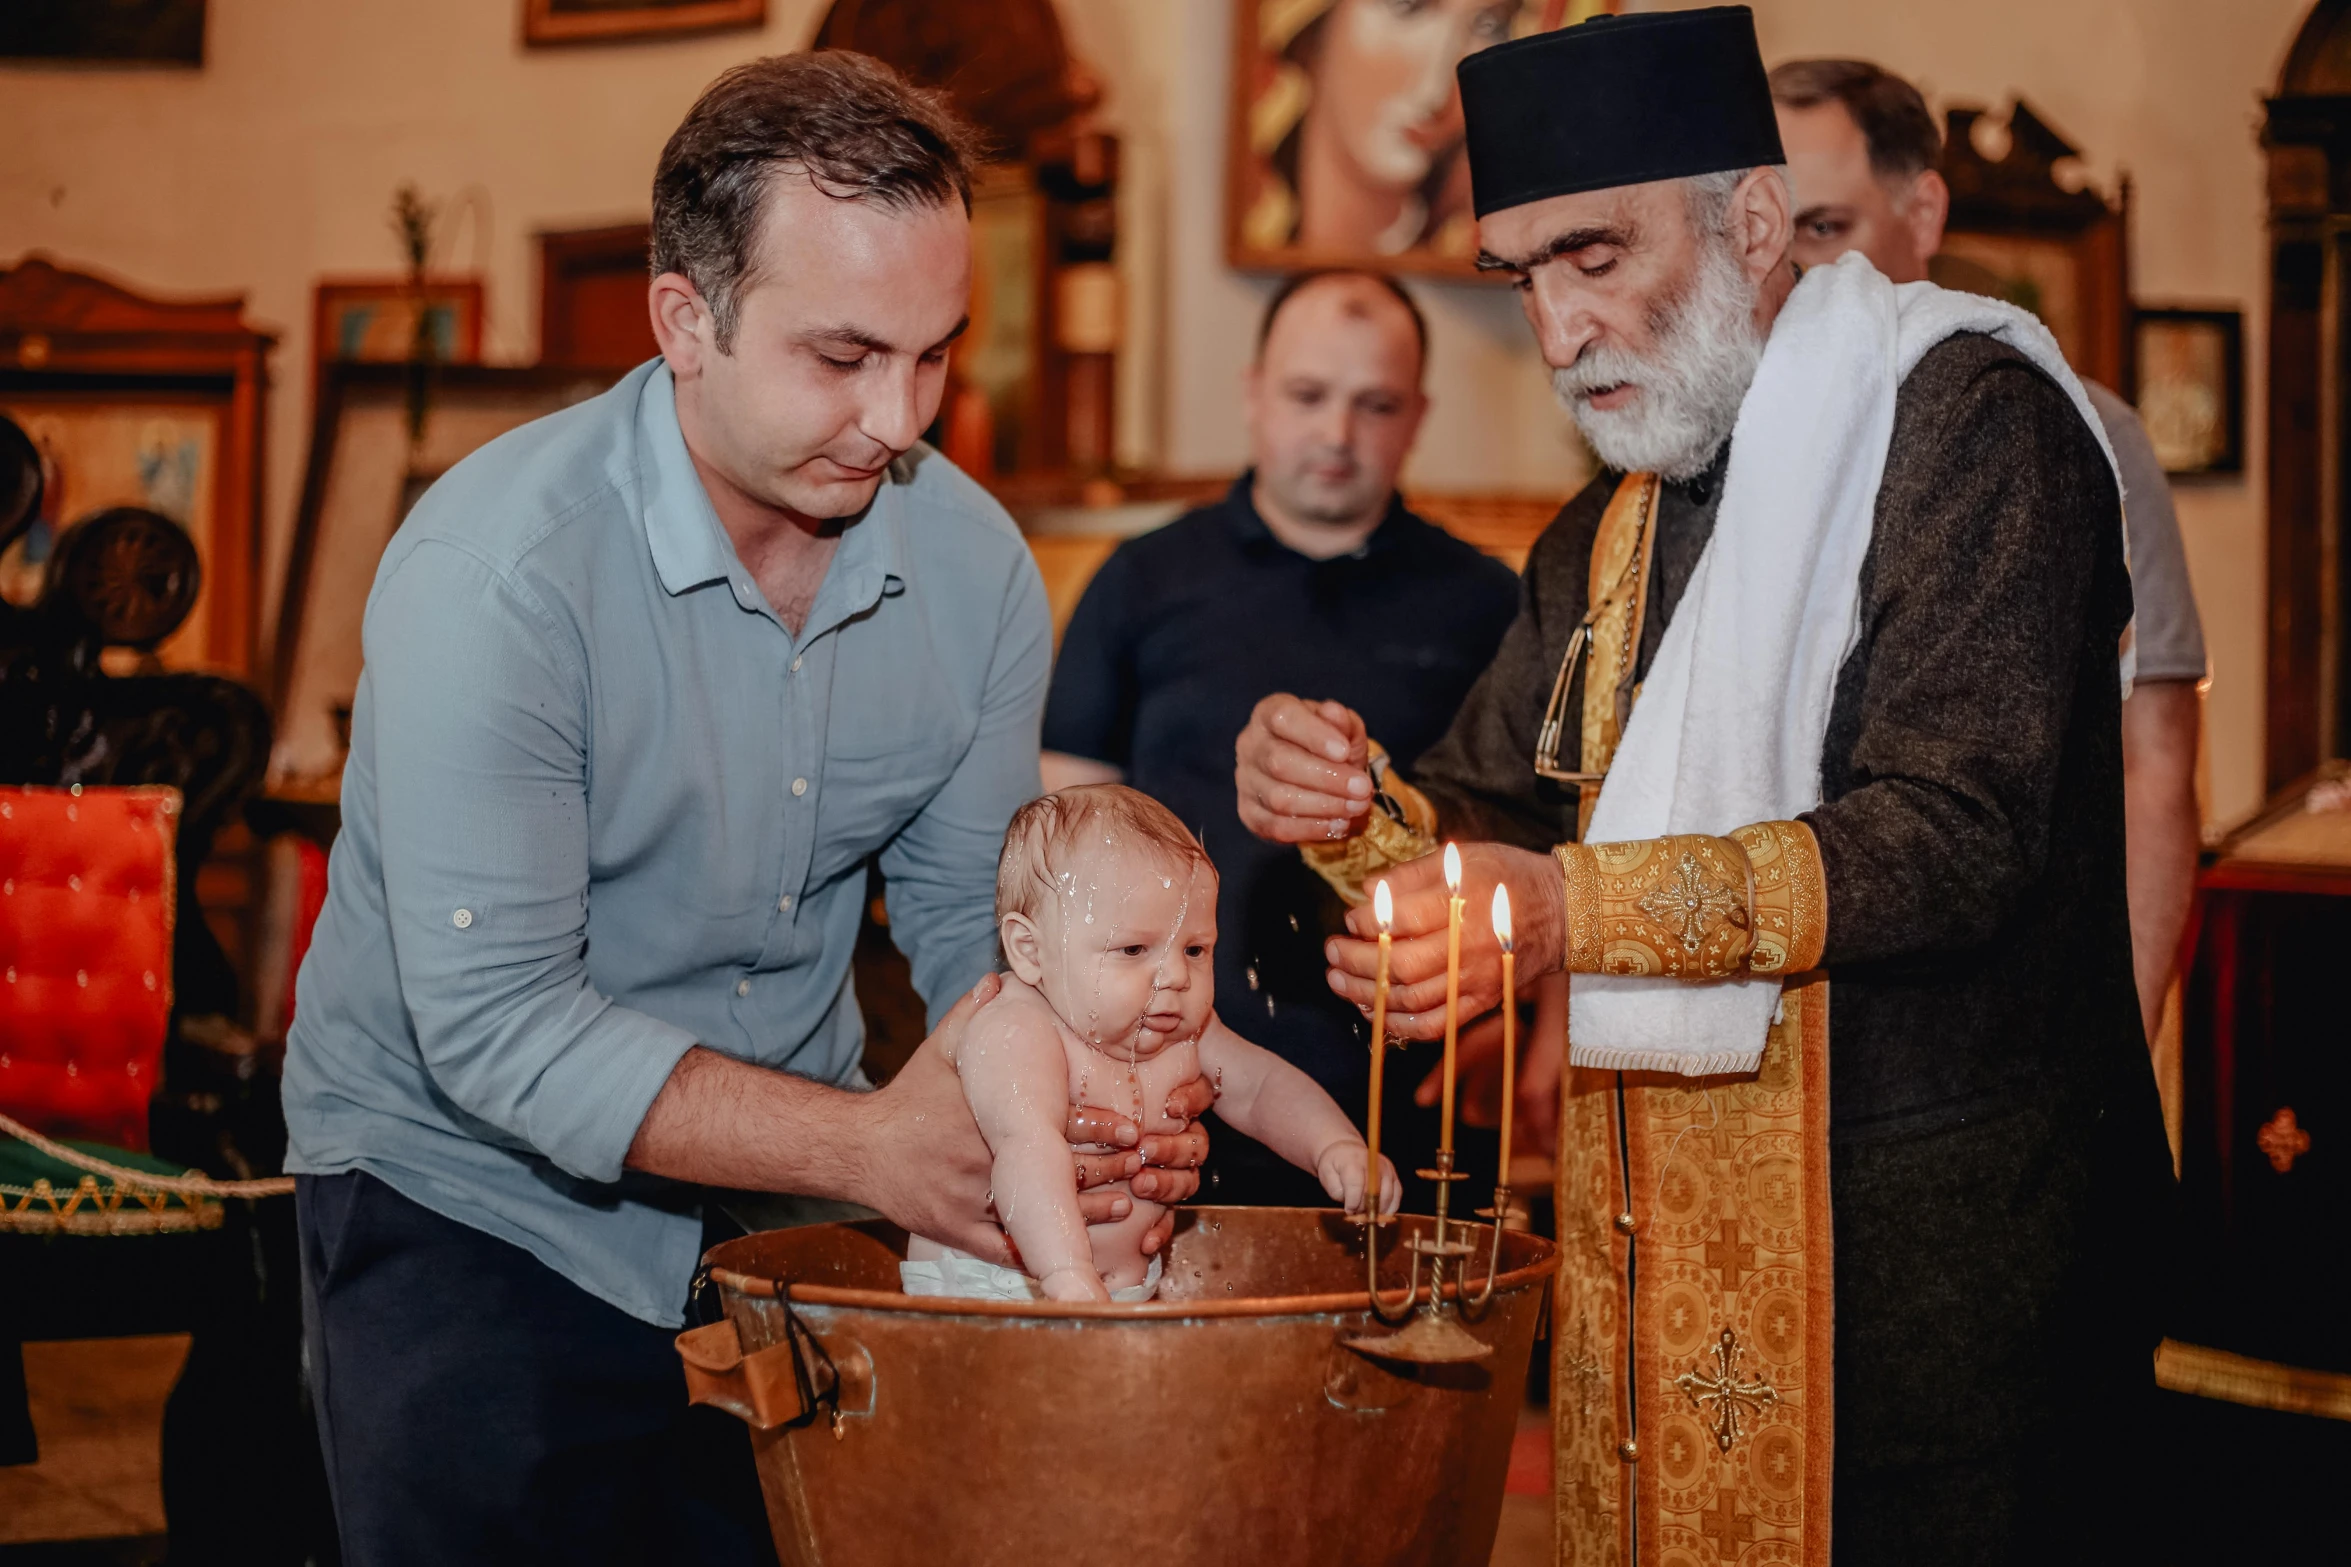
(605, 21)
(2191, 391)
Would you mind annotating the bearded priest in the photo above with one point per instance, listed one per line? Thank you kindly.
(1803, 760)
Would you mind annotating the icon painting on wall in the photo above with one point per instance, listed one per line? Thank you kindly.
(1347, 135)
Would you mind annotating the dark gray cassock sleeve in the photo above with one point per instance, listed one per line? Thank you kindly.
(1992, 590)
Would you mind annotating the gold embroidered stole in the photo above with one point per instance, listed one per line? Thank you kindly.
(1617, 594)
(1693, 1327)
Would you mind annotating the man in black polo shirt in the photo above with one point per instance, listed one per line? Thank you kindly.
(1309, 576)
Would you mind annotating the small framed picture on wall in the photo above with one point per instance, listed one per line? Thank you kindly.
(596, 21)
(376, 320)
(2191, 374)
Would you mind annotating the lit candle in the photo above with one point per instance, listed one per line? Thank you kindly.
(1384, 907)
(1452, 989)
(1509, 1025)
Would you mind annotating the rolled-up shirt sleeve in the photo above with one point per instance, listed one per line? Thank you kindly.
(480, 719)
(1986, 557)
(940, 869)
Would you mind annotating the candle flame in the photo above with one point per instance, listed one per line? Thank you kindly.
(1452, 868)
(1383, 907)
(1502, 915)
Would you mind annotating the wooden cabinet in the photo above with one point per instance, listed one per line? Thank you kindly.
(2265, 1157)
(148, 402)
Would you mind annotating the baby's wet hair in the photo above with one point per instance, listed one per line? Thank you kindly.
(1038, 844)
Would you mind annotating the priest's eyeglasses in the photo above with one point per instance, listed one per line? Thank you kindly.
(1555, 711)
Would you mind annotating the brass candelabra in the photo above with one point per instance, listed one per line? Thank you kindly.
(1429, 1328)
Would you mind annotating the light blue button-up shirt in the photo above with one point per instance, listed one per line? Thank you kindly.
(601, 806)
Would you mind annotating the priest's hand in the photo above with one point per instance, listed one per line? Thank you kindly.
(1301, 771)
(1416, 968)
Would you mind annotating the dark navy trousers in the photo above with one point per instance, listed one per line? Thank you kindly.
(477, 1407)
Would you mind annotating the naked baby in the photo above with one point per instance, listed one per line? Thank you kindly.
(1107, 910)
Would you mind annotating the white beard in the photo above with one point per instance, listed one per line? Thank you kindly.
(1689, 388)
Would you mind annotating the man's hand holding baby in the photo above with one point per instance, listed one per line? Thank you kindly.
(1162, 1167)
(930, 1170)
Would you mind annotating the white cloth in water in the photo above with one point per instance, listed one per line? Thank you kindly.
(972, 1278)
(1735, 709)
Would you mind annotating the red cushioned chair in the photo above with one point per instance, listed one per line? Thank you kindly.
(86, 907)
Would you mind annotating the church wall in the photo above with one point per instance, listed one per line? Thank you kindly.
(275, 164)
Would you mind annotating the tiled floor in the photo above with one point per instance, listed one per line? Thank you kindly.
(1525, 1536)
(1524, 1539)
(98, 1408)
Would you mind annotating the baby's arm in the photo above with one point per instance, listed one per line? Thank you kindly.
(1016, 1077)
(1267, 1098)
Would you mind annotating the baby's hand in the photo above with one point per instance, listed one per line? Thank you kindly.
(1077, 1283)
(1341, 1168)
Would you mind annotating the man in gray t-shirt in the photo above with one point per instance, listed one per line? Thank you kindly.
(2167, 631)
(2164, 712)
(1862, 150)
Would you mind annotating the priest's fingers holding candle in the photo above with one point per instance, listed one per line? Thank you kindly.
(1416, 997)
(1300, 772)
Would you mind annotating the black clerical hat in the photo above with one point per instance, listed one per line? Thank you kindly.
(1618, 100)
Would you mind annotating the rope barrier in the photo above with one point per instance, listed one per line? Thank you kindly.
(176, 1185)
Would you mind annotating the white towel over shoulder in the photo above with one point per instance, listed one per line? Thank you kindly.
(1731, 719)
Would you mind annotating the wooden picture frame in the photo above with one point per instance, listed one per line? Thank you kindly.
(161, 403)
(607, 21)
(2017, 233)
(2190, 368)
(592, 308)
(1278, 215)
(373, 320)
(119, 33)
(2306, 661)
(362, 475)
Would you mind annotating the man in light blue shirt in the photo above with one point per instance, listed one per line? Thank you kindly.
(648, 683)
